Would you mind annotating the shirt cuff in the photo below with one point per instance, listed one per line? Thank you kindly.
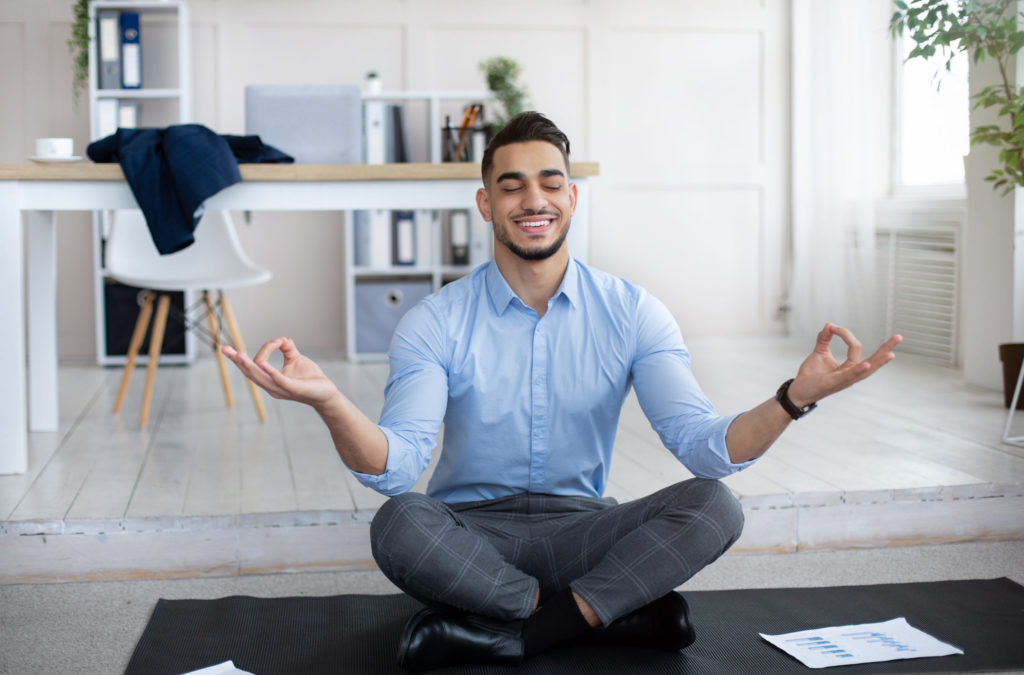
(721, 464)
(386, 483)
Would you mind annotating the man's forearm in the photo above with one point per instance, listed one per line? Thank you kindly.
(752, 433)
(360, 443)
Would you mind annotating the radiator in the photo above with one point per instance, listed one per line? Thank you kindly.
(918, 264)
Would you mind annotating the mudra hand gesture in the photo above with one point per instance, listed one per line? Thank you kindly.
(821, 375)
(299, 378)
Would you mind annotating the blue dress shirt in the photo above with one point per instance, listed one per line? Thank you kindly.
(531, 404)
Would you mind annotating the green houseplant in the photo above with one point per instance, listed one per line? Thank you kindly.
(78, 45)
(981, 30)
(502, 75)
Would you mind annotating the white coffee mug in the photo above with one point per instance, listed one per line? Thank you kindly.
(55, 147)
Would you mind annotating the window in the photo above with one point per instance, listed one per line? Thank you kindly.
(932, 120)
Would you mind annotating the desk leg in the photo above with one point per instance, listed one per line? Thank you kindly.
(13, 410)
(42, 321)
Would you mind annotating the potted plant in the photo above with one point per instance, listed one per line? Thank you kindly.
(502, 74)
(78, 45)
(980, 29)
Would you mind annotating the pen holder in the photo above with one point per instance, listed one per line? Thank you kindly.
(463, 144)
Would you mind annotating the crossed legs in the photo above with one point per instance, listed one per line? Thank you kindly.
(494, 558)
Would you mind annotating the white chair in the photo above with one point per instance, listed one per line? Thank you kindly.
(215, 261)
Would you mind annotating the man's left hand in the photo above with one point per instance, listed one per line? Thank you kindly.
(821, 375)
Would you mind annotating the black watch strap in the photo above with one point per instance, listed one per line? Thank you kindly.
(782, 396)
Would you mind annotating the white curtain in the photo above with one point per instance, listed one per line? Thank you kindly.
(842, 139)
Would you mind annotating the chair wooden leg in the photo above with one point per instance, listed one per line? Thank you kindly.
(236, 338)
(222, 365)
(133, 348)
(156, 342)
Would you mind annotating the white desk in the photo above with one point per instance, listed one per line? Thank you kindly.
(38, 192)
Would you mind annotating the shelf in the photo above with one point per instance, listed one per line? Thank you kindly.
(138, 93)
(413, 95)
(394, 271)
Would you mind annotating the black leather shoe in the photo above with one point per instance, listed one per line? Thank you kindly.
(435, 638)
(662, 624)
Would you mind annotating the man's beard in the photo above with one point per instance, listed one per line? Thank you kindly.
(501, 233)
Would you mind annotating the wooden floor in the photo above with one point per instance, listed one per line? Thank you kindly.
(912, 455)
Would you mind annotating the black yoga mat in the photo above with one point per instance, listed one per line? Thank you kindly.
(360, 633)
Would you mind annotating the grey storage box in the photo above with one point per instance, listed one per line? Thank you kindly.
(379, 306)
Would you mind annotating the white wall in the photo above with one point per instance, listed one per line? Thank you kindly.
(987, 288)
(684, 104)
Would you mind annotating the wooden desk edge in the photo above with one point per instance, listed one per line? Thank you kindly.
(281, 172)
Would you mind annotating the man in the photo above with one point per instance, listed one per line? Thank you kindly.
(527, 362)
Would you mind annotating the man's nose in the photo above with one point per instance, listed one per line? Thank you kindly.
(534, 199)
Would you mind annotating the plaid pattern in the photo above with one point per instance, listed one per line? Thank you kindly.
(490, 557)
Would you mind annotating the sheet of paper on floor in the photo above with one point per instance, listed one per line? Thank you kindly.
(861, 643)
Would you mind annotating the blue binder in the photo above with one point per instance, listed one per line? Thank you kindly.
(131, 51)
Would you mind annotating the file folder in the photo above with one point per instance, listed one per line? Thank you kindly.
(109, 36)
(128, 115)
(458, 224)
(372, 238)
(106, 117)
(403, 238)
(375, 132)
(131, 52)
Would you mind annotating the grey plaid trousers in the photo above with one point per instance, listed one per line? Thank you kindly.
(491, 557)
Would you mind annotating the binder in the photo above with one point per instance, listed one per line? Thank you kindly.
(106, 117)
(397, 137)
(375, 132)
(479, 239)
(380, 238)
(372, 238)
(131, 52)
(424, 236)
(458, 224)
(403, 238)
(361, 238)
(109, 35)
(128, 115)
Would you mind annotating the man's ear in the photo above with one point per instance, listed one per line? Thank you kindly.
(483, 203)
(573, 195)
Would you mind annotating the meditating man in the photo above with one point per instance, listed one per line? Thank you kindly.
(527, 362)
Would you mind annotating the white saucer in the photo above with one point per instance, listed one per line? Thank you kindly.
(55, 160)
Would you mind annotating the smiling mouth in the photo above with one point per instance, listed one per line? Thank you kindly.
(535, 221)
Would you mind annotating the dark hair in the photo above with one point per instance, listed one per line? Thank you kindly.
(527, 126)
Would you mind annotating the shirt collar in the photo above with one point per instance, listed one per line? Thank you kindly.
(501, 294)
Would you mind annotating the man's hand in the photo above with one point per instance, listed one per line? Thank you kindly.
(821, 374)
(299, 379)
(753, 432)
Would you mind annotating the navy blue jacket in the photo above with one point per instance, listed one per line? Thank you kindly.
(172, 171)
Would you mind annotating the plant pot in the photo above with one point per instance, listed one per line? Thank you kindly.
(1012, 356)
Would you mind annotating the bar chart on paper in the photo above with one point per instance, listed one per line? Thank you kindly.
(861, 643)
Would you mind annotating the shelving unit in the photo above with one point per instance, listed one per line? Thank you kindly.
(434, 100)
(165, 98)
(377, 295)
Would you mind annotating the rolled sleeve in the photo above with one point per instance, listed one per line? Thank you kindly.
(400, 473)
(709, 458)
(415, 400)
(673, 401)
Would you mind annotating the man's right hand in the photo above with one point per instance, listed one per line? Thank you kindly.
(299, 378)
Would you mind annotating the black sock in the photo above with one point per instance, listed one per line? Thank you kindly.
(554, 622)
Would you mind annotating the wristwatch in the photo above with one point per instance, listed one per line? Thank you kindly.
(782, 396)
